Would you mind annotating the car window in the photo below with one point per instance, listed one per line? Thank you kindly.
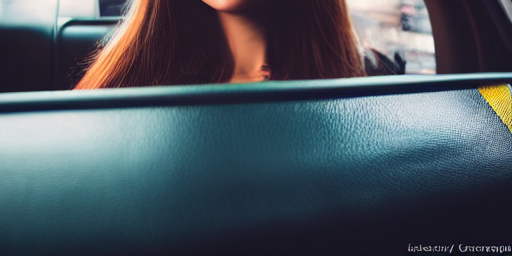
(391, 26)
(388, 26)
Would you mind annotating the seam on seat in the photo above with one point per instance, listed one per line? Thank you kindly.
(500, 99)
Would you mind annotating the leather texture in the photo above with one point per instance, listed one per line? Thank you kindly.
(500, 99)
(346, 176)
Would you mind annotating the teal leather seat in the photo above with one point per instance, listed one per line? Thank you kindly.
(342, 167)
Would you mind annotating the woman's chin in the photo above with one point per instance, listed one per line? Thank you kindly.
(232, 6)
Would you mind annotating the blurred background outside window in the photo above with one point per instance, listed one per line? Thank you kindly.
(401, 26)
(111, 8)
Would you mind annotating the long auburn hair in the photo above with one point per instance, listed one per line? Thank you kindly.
(168, 42)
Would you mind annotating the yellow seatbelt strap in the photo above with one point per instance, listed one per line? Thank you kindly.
(500, 99)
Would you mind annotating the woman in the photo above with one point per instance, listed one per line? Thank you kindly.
(165, 42)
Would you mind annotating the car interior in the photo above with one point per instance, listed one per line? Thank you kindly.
(383, 165)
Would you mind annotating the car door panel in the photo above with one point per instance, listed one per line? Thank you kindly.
(340, 175)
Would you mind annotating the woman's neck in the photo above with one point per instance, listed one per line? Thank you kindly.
(247, 42)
